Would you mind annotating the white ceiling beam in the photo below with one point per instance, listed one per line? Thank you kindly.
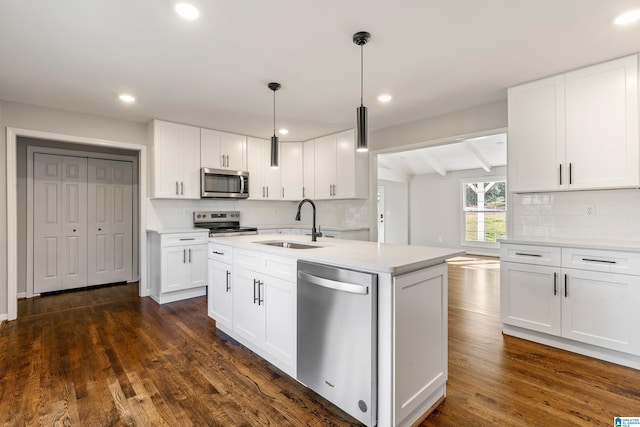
(474, 150)
(433, 162)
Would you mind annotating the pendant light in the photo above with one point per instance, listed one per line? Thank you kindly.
(274, 139)
(361, 38)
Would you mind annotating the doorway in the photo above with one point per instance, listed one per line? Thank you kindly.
(14, 252)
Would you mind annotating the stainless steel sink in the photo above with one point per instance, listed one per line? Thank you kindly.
(289, 245)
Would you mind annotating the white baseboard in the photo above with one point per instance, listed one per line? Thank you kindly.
(21, 295)
(3, 317)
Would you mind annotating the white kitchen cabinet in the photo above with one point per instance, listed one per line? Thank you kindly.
(174, 160)
(309, 169)
(340, 172)
(223, 150)
(178, 265)
(580, 296)
(220, 283)
(291, 166)
(264, 306)
(264, 181)
(578, 130)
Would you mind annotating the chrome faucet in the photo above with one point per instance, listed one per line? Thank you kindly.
(314, 233)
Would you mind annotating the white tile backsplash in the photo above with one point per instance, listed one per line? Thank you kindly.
(339, 213)
(615, 215)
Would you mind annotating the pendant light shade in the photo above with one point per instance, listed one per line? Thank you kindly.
(274, 139)
(361, 38)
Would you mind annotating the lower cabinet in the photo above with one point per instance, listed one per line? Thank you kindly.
(178, 265)
(220, 298)
(592, 304)
(263, 305)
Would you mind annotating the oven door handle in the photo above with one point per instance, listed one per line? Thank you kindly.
(333, 284)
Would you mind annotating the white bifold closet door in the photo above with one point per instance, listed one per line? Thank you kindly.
(110, 221)
(59, 222)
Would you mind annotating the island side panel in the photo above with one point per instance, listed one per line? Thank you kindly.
(420, 342)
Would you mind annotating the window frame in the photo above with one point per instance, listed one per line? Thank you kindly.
(463, 223)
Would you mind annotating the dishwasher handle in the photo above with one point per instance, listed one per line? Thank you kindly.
(333, 284)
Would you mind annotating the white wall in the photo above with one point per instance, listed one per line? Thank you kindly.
(436, 209)
(396, 216)
(614, 215)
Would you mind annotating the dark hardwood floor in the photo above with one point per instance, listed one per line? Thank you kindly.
(105, 357)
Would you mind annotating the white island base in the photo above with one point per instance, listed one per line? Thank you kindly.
(412, 310)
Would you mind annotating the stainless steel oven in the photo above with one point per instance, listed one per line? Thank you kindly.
(221, 223)
(222, 184)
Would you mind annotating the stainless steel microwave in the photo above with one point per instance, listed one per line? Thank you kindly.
(222, 184)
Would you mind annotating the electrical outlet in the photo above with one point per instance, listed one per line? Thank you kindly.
(590, 211)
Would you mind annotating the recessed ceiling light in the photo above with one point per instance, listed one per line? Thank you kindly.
(125, 97)
(187, 10)
(283, 131)
(628, 17)
(384, 98)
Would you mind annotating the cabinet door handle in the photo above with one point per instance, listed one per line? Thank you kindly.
(177, 188)
(283, 192)
(555, 283)
(560, 173)
(189, 256)
(303, 192)
(526, 254)
(184, 256)
(267, 191)
(182, 188)
(228, 281)
(566, 287)
(222, 159)
(263, 191)
(604, 261)
(260, 298)
(570, 175)
(255, 282)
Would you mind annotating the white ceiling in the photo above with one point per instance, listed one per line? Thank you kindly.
(433, 56)
(484, 152)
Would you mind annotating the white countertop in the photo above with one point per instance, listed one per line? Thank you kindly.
(178, 230)
(629, 246)
(308, 227)
(355, 254)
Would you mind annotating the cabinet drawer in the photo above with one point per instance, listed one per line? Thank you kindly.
(180, 239)
(222, 253)
(601, 260)
(531, 254)
(273, 265)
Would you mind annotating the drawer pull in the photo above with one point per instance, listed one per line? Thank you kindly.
(190, 238)
(217, 253)
(525, 254)
(604, 261)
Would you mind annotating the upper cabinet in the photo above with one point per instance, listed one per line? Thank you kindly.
(576, 131)
(174, 160)
(309, 169)
(340, 172)
(264, 181)
(291, 164)
(222, 150)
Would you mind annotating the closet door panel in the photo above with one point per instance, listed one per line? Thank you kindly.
(122, 221)
(47, 223)
(99, 217)
(74, 227)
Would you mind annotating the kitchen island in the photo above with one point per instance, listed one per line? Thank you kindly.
(253, 298)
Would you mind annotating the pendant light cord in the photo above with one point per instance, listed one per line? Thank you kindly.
(361, 73)
(274, 113)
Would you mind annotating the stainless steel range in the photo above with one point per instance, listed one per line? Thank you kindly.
(221, 223)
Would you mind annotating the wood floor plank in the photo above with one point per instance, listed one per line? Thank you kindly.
(105, 357)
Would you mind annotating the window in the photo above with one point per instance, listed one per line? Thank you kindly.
(484, 208)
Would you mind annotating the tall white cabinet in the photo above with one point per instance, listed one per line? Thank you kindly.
(340, 172)
(576, 131)
(174, 152)
(264, 181)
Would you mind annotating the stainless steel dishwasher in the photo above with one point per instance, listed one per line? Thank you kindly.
(337, 337)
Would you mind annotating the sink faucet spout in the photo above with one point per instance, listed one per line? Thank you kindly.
(314, 232)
